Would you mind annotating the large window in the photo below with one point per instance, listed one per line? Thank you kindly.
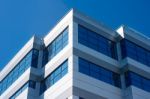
(31, 59)
(56, 46)
(99, 73)
(135, 52)
(56, 75)
(137, 80)
(30, 84)
(96, 42)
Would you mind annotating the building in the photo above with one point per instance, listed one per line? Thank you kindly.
(80, 59)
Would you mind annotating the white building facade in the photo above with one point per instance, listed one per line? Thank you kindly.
(80, 59)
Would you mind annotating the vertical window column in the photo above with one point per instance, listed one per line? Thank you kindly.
(35, 55)
(55, 46)
(56, 75)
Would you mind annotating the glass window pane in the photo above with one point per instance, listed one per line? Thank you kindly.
(94, 74)
(59, 43)
(96, 42)
(64, 72)
(135, 52)
(99, 73)
(57, 78)
(58, 71)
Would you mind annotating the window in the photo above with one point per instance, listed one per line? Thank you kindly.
(100, 73)
(30, 84)
(132, 78)
(55, 46)
(135, 52)
(56, 75)
(96, 42)
(30, 59)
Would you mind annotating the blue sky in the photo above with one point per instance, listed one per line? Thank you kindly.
(21, 19)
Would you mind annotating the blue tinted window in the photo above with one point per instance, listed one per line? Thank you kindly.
(45, 57)
(35, 55)
(137, 80)
(99, 73)
(65, 37)
(30, 83)
(56, 46)
(42, 86)
(84, 67)
(59, 43)
(31, 59)
(135, 52)
(56, 75)
(96, 42)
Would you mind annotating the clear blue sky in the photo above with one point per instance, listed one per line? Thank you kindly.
(21, 19)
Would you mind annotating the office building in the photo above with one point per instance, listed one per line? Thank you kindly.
(80, 59)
